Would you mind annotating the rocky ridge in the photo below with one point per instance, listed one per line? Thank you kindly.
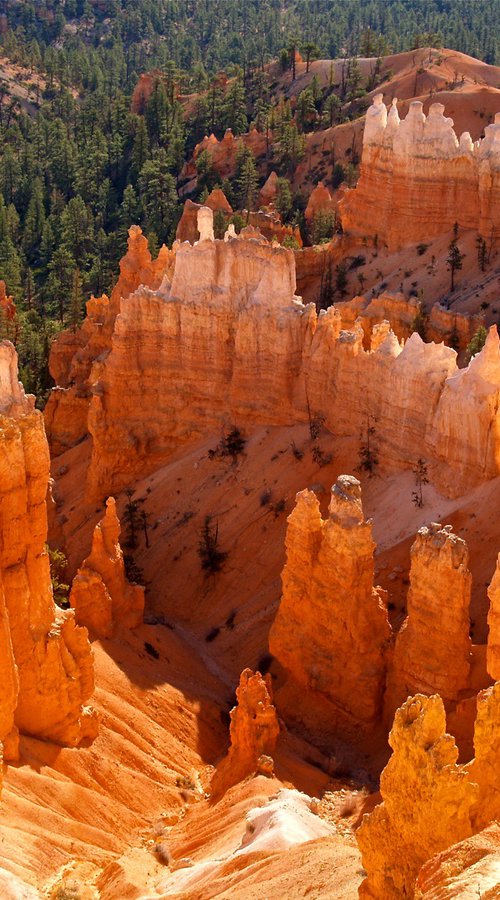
(224, 338)
(418, 178)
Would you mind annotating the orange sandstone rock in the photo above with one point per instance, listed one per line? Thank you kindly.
(100, 594)
(254, 732)
(464, 871)
(433, 649)
(427, 802)
(269, 190)
(187, 229)
(216, 334)
(320, 201)
(417, 178)
(338, 650)
(52, 656)
(484, 767)
(66, 411)
(493, 649)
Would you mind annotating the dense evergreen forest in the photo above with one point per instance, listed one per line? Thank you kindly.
(77, 167)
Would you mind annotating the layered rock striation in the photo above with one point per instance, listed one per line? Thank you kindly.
(46, 660)
(433, 649)
(101, 595)
(331, 631)
(73, 353)
(418, 178)
(215, 334)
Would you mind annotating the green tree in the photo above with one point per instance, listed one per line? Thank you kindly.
(159, 196)
(310, 51)
(247, 182)
(283, 198)
(59, 282)
(454, 258)
(76, 302)
(476, 343)
(235, 108)
(306, 110)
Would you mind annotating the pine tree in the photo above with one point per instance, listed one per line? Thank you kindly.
(283, 198)
(235, 108)
(76, 301)
(247, 181)
(140, 149)
(159, 196)
(454, 258)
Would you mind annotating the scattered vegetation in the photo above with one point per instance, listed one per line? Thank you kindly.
(476, 343)
(211, 557)
(231, 444)
(151, 650)
(368, 457)
(454, 258)
(58, 568)
(421, 478)
(320, 458)
(135, 521)
(297, 452)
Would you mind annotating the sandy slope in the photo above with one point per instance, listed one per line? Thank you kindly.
(165, 719)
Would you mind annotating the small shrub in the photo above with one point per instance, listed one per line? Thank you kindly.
(477, 343)
(186, 782)
(278, 507)
(212, 634)
(212, 559)
(231, 444)
(421, 248)
(298, 454)
(265, 497)
(229, 623)
(151, 650)
(357, 261)
(320, 458)
(58, 566)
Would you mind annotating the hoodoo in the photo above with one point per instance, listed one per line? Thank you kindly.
(331, 629)
(46, 659)
(249, 451)
(418, 178)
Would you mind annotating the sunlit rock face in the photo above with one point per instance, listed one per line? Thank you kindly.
(427, 802)
(418, 178)
(101, 595)
(433, 649)
(213, 333)
(331, 630)
(46, 660)
(254, 732)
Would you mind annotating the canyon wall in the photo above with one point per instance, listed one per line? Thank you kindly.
(46, 660)
(441, 325)
(417, 178)
(214, 335)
